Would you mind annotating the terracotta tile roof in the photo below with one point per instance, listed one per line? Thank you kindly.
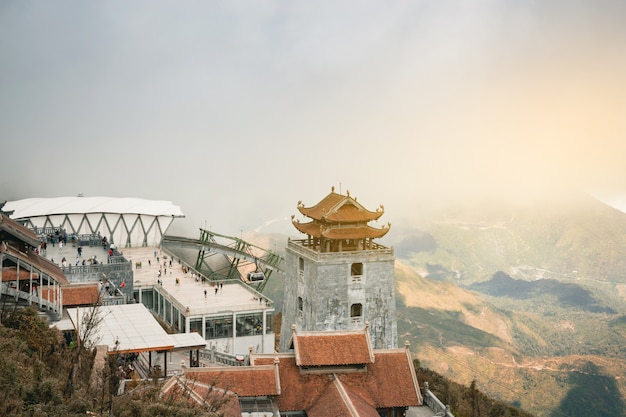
(37, 262)
(386, 381)
(362, 407)
(75, 295)
(331, 403)
(337, 348)
(300, 391)
(337, 400)
(389, 382)
(15, 229)
(9, 273)
(49, 294)
(245, 381)
(194, 393)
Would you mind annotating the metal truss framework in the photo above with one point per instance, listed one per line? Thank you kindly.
(122, 229)
(240, 255)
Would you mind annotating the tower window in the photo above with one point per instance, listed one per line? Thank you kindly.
(356, 271)
(301, 264)
(356, 310)
(299, 306)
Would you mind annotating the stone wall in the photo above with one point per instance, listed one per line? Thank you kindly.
(328, 290)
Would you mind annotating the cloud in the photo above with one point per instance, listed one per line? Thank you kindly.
(235, 111)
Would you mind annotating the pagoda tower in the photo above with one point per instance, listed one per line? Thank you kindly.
(338, 277)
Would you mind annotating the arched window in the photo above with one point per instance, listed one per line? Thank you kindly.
(356, 310)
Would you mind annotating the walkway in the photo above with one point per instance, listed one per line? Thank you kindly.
(189, 292)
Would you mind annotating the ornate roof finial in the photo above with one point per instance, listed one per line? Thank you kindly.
(348, 193)
(332, 189)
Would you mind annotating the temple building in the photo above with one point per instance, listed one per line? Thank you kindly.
(339, 277)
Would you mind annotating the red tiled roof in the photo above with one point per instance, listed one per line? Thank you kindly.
(36, 262)
(389, 382)
(362, 407)
(327, 349)
(194, 393)
(245, 381)
(18, 231)
(10, 273)
(337, 400)
(300, 390)
(386, 381)
(49, 294)
(75, 295)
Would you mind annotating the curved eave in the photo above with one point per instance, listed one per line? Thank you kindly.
(311, 228)
(365, 232)
(324, 206)
(337, 208)
(348, 213)
(357, 232)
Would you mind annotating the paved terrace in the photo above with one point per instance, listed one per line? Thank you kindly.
(231, 296)
(69, 251)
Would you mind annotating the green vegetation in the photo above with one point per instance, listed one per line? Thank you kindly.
(592, 395)
(466, 401)
(443, 326)
(567, 295)
(43, 374)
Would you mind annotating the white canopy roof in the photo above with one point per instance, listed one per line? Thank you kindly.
(33, 207)
(132, 328)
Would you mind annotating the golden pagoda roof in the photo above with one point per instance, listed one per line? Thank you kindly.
(338, 208)
(362, 231)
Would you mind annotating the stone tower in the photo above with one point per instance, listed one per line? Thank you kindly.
(338, 278)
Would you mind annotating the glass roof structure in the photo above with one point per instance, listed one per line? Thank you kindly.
(130, 328)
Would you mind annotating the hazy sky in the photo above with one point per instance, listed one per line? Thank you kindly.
(237, 110)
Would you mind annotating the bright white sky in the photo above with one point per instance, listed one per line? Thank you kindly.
(236, 110)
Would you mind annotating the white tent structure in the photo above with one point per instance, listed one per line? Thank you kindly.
(126, 222)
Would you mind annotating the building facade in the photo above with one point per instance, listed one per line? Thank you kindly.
(338, 277)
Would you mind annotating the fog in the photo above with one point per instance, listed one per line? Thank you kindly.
(235, 111)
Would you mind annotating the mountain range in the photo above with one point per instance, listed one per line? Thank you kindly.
(528, 301)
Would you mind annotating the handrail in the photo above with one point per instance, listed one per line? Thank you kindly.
(431, 400)
(301, 247)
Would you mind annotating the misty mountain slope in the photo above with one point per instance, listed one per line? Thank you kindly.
(563, 295)
(520, 346)
(426, 295)
(520, 356)
(583, 239)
